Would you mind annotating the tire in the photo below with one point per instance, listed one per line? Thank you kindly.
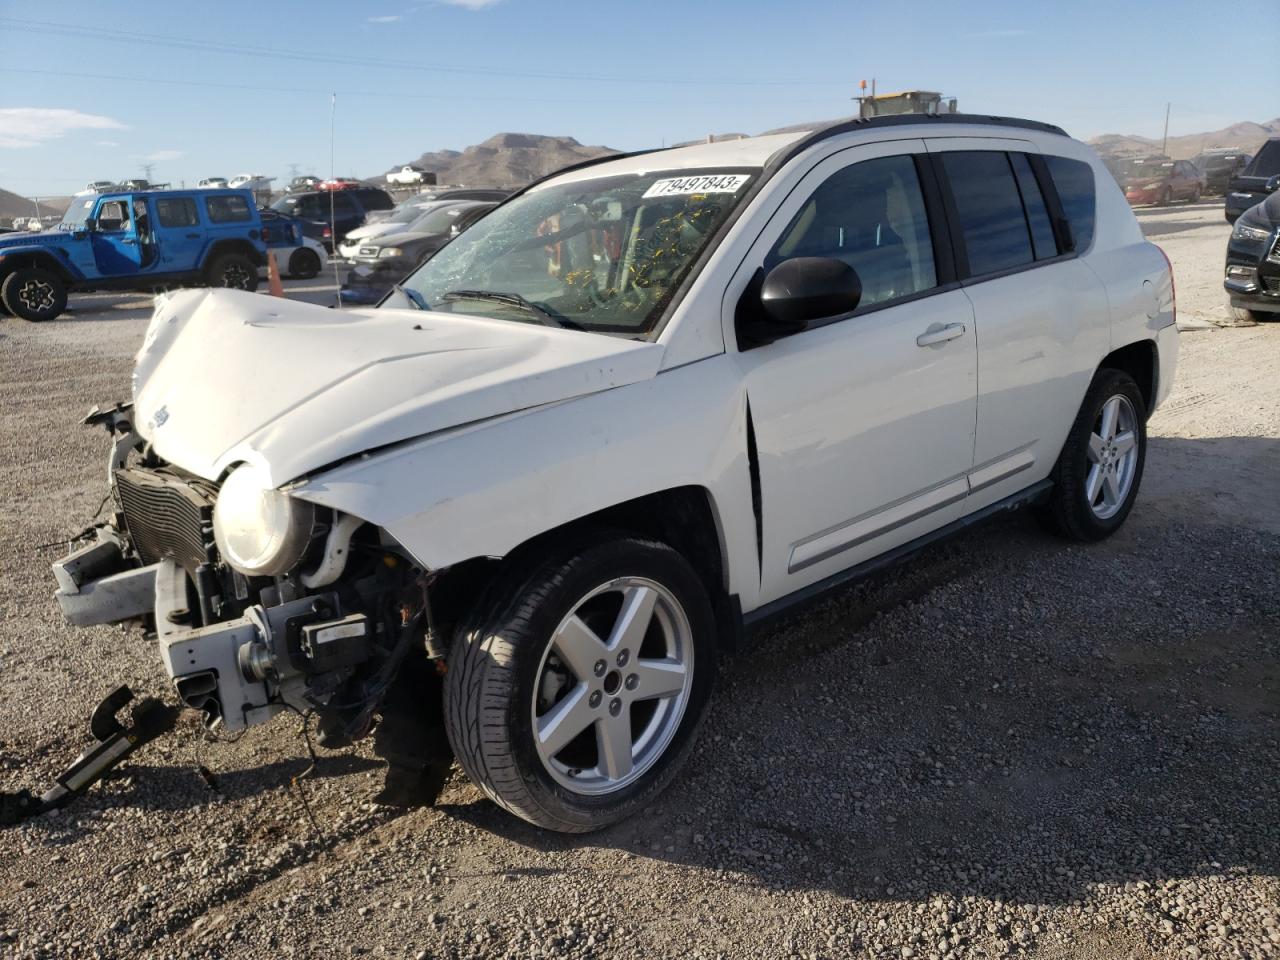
(1243, 315)
(233, 271)
(1195, 195)
(1166, 197)
(304, 263)
(1071, 510)
(34, 294)
(509, 674)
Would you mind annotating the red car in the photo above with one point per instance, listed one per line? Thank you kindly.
(339, 183)
(1159, 180)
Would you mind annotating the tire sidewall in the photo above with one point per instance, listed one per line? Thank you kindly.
(304, 264)
(224, 261)
(1075, 466)
(580, 575)
(9, 294)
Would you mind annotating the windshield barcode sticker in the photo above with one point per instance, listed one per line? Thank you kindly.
(703, 183)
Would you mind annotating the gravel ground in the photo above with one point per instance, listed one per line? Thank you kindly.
(1010, 746)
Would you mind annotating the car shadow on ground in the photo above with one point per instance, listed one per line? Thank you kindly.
(1021, 719)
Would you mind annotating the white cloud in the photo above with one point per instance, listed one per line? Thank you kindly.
(31, 126)
(159, 156)
(105, 143)
(470, 4)
(390, 19)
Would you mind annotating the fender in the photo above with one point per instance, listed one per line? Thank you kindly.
(51, 257)
(483, 489)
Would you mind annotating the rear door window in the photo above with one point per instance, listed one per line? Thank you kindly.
(177, 212)
(231, 209)
(1073, 180)
(989, 209)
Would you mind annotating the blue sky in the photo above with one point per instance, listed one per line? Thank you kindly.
(217, 89)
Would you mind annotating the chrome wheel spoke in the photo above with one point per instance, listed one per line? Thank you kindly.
(657, 678)
(1110, 414)
(613, 740)
(1096, 448)
(634, 618)
(1110, 489)
(1093, 484)
(563, 722)
(579, 647)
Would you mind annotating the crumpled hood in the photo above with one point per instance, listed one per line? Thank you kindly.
(225, 376)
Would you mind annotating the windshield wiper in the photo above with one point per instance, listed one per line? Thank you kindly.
(413, 296)
(545, 316)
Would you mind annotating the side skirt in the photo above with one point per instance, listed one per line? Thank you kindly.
(763, 617)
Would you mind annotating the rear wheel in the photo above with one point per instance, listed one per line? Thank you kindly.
(1100, 467)
(304, 263)
(234, 271)
(1195, 195)
(574, 699)
(34, 294)
(1166, 197)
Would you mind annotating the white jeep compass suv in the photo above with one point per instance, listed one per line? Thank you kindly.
(642, 407)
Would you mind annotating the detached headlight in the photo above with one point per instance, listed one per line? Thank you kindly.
(1243, 231)
(259, 530)
(390, 252)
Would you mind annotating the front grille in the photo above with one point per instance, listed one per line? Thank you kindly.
(1274, 253)
(1271, 286)
(368, 251)
(167, 516)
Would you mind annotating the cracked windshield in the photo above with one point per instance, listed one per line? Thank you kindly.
(603, 254)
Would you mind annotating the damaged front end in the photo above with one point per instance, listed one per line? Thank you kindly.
(261, 602)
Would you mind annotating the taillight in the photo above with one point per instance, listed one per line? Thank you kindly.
(1173, 287)
(327, 233)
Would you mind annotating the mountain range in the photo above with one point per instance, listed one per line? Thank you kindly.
(506, 159)
(1239, 136)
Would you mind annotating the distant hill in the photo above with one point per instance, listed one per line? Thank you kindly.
(1241, 136)
(506, 160)
(14, 205)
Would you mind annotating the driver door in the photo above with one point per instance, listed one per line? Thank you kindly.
(116, 248)
(864, 426)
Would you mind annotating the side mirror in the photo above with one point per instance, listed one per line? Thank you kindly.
(801, 290)
(1273, 184)
(91, 225)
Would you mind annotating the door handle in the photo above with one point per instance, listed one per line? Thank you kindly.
(940, 334)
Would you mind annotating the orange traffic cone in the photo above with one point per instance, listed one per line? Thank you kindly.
(273, 275)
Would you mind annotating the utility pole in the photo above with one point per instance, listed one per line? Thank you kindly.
(293, 171)
(1164, 145)
(147, 168)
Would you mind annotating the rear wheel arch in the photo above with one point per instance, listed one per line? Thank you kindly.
(1141, 361)
(220, 247)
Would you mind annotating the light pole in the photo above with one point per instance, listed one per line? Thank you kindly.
(1164, 144)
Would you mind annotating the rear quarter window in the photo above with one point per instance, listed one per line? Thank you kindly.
(177, 212)
(375, 199)
(228, 209)
(1074, 182)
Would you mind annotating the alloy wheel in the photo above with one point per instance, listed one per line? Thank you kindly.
(612, 686)
(1113, 457)
(235, 276)
(36, 295)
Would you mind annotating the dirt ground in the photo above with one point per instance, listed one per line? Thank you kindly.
(1010, 746)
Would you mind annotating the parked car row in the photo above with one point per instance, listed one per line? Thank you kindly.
(1252, 271)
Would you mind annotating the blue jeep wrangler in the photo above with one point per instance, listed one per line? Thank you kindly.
(133, 240)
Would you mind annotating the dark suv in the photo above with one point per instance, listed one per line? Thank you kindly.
(1256, 182)
(1219, 167)
(329, 215)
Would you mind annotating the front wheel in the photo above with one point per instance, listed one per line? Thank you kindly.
(1100, 467)
(577, 694)
(34, 294)
(234, 271)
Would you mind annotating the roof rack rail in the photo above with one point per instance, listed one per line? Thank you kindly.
(907, 119)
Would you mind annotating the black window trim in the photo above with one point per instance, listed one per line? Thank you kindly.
(966, 277)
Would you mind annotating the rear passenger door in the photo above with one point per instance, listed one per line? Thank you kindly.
(178, 236)
(1041, 314)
